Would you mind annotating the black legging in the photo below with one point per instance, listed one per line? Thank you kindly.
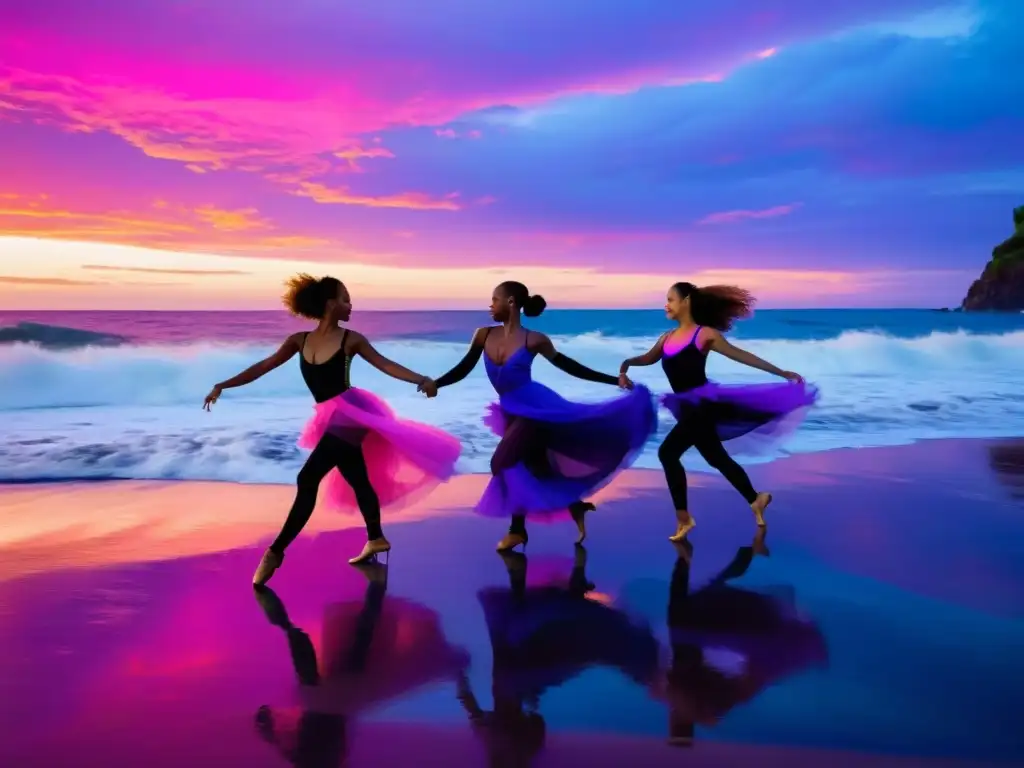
(698, 431)
(330, 453)
(524, 441)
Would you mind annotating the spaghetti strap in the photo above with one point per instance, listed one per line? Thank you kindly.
(693, 339)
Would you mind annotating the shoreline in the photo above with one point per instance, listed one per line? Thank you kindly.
(92, 523)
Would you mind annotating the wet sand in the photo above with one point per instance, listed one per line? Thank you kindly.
(129, 633)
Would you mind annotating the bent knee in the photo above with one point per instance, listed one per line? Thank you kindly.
(668, 454)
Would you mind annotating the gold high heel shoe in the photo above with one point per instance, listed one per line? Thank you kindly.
(759, 506)
(683, 527)
(370, 551)
(270, 562)
(512, 540)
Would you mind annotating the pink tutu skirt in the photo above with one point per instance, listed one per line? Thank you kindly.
(405, 460)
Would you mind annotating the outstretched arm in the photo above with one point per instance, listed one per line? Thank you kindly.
(650, 357)
(542, 345)
(466, 365)
(284, 353)
(365, 350)
(721, 345)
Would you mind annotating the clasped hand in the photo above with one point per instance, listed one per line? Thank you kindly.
(428, 387)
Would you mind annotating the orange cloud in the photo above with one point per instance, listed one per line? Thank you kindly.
(321, 193)
(49, 282)
(158, 271)
(352, 156)
(165, 226)
(232, 221)
(730, 217)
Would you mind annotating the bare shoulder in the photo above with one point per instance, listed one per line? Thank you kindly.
(354, 341)
(537, 341)
(709, 337)
(480, 335)
(295, 340)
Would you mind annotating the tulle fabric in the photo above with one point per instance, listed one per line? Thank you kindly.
(586, 445)
(406, 460)
(754, 418)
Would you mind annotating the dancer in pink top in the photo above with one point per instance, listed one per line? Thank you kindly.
(708, 413)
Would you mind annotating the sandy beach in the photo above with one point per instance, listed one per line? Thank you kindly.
(130, 602)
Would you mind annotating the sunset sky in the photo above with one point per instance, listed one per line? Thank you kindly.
(183, 154)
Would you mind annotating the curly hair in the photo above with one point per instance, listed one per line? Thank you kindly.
(717, 306)
(307, 296)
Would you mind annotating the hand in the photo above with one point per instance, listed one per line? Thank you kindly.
(428, 387)
(624, 382)
(794, 377)
(212, 397)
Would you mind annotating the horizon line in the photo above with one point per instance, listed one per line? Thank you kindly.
(431, 309)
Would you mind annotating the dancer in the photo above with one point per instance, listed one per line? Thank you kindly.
(380, 459)
(371, 652)
(764, 630)
(708, 413)
(542, 636)
(553, 452)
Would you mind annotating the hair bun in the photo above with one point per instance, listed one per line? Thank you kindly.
(534, 305)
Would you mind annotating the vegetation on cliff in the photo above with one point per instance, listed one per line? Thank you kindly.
(1001, 285)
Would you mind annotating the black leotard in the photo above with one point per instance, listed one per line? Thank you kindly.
(329, 378)
(687, 368)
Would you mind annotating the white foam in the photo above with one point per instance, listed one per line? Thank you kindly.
(136, 411)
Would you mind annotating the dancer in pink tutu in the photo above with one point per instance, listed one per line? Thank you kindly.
(710, 413)
(381, 460)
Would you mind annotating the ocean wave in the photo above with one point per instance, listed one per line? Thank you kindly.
(57, 337)
(133, 411)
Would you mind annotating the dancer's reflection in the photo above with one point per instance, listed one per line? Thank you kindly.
(760, 632)
(371, 653)
(542, 637)
(1007, 459)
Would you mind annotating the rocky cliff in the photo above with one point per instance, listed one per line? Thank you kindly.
(1001, 285)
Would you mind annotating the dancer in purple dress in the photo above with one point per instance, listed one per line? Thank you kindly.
(708, 413)
(553, 452)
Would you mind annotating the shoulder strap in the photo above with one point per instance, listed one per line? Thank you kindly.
(344, 338)
(305, 336)
(693, 339)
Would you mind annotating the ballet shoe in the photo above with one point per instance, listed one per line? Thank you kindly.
(759, 506)
(270, 562)
(578, 511)
(370, 551)
(512, 540)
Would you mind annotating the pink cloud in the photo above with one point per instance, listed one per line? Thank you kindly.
(730, 217)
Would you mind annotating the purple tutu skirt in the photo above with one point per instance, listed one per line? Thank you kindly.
(582, 447)
(546, 636)
(755, 417)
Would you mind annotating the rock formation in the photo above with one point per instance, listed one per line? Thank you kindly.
(1001, 285)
